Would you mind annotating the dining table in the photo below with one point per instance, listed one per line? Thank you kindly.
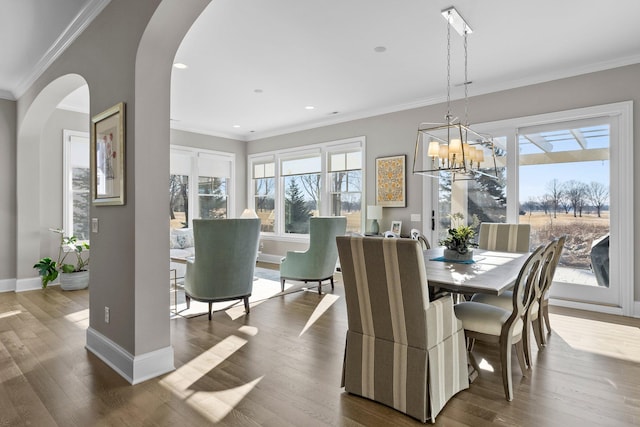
(489, 272)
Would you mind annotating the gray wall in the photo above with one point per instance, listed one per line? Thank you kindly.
(395, 133)
(105, 56)
(8, 211)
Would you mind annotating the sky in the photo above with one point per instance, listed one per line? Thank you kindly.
(535, 178)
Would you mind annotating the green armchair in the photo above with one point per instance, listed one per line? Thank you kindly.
(318, 263)
(225, 258)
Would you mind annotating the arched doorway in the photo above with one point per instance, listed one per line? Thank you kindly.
(32, 225)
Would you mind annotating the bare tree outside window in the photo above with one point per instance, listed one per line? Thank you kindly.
(598, 194)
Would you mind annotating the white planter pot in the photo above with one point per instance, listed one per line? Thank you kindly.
(451, 255)
(74, 281)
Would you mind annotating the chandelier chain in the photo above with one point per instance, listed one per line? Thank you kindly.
(448, 117)
(466, 81)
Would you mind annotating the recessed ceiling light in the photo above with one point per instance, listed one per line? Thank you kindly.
(258, 90)
(235, 126)
(379, 49)
(180, 65)
(309, 107)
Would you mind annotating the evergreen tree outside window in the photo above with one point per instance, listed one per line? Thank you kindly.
(302, 183)
(289, 186)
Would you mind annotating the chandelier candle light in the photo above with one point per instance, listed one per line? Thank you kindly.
(453, 146)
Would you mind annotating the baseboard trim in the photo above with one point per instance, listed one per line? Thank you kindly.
(30, 284)
(272, 259)
(134, 369)
(636, 309)
(7, 285)
(609, 309)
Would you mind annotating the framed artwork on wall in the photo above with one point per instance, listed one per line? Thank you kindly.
(391, 184)
(107, 157)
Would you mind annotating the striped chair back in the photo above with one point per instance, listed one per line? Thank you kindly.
(504, 237)
(380, 271)
(402, 350)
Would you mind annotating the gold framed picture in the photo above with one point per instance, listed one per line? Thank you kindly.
(391, 184)
(107, 157)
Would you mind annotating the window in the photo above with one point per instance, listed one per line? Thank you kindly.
(264, 193)
(212, 172)
(565, 173)
(290, 186)
(345, 176)
(302, 181)
(77, 183)
(564, 189)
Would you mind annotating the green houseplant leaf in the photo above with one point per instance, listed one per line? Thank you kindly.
(49, 269)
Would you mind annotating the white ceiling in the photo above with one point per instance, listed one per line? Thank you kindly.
(300, 53)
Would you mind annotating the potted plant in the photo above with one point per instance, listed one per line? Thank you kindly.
(459, 239)
(72, 276)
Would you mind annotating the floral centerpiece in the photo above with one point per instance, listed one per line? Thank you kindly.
(49, 269)
(459, 240)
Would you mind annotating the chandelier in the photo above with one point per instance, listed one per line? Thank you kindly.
(453, 146)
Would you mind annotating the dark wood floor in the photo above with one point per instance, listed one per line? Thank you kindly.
(281, 366)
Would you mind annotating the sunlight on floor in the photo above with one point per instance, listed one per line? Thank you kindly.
(10, 313)
(486, 366)
(327, 301)
(214, 405)
(80, 318)
(603, 338)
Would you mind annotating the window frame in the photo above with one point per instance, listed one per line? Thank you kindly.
(194, 174)
(278, 156)
(621, 164)
(67, 180)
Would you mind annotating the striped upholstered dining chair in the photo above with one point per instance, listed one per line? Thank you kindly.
(402, 350)
(495, 236)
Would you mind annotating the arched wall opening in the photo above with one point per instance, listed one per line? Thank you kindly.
(31, 227)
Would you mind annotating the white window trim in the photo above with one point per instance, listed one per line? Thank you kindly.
(193, 153)
(621, 270)
(67, 196)
(324, 149)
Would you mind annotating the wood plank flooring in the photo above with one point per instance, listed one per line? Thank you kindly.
(281, 366)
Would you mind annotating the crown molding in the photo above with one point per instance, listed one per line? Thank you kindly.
(73, 30)
(5, 94)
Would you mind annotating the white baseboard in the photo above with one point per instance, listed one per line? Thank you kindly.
(636, 309)
(273, 259)
(7, 285)
(588, 307)
(29, 284)
(134, 369)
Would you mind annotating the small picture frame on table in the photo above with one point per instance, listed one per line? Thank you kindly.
(396, 227)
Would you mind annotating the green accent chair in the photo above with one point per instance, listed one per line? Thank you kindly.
(318, 263)
(224, 262)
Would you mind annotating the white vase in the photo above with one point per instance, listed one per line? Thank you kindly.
(74, 281)
(451, 255)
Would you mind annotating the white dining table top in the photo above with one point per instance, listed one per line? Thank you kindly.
(492, 272)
